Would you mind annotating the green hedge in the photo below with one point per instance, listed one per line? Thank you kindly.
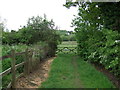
(100, 46)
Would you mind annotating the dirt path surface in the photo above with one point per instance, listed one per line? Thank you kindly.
(34, 79)
(76, 74)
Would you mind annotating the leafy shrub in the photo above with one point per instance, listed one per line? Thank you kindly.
(100, 46)
(97, 32)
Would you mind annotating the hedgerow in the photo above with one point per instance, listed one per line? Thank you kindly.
(101, 47)
(97, 30)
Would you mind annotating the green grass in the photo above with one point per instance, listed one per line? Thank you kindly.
(65, 74)
(90, 77)
(61, 75)
(68, 44)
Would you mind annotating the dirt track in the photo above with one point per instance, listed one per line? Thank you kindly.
(34, 79)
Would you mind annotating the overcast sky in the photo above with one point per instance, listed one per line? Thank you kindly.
(17, 12)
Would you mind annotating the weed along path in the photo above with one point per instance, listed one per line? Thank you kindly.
(34, 79)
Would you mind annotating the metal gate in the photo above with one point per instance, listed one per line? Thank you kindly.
(67, 50)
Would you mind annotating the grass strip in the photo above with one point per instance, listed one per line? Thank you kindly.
(90, 77)
(64, 72)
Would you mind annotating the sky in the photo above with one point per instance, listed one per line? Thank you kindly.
(17, 12)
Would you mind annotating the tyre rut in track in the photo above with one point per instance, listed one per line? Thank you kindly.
(76, 73)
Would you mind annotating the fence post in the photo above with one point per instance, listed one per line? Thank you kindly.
(26, 66)
(30, 60)
(33, 59)
(13, 68)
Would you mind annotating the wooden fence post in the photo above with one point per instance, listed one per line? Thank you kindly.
(30, 60)
(39, 55)
(37, 58)
(26, 66)
(13, 68)
(29, 57)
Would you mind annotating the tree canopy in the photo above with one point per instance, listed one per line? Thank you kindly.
(37, 29)
(98, 14)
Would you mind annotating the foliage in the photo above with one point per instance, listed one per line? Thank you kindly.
(38, 34)
(66, 35)
(98, 14)
(2, 24)
(100, 46)
(6, 63)
(6, 51)
(37, 29)
(43, 48)
(97, 35)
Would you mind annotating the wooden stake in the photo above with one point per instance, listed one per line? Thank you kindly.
(13, 68)
(26, 71)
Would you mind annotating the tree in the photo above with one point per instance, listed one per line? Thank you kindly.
(38, 29)
(41, 27)
(2, 24)
(97, 27)
(2, 28)
(98, 14)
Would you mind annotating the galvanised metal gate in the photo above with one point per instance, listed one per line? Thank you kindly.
(67, 50)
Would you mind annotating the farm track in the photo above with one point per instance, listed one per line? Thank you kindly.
(76, 74)
(34, 79)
